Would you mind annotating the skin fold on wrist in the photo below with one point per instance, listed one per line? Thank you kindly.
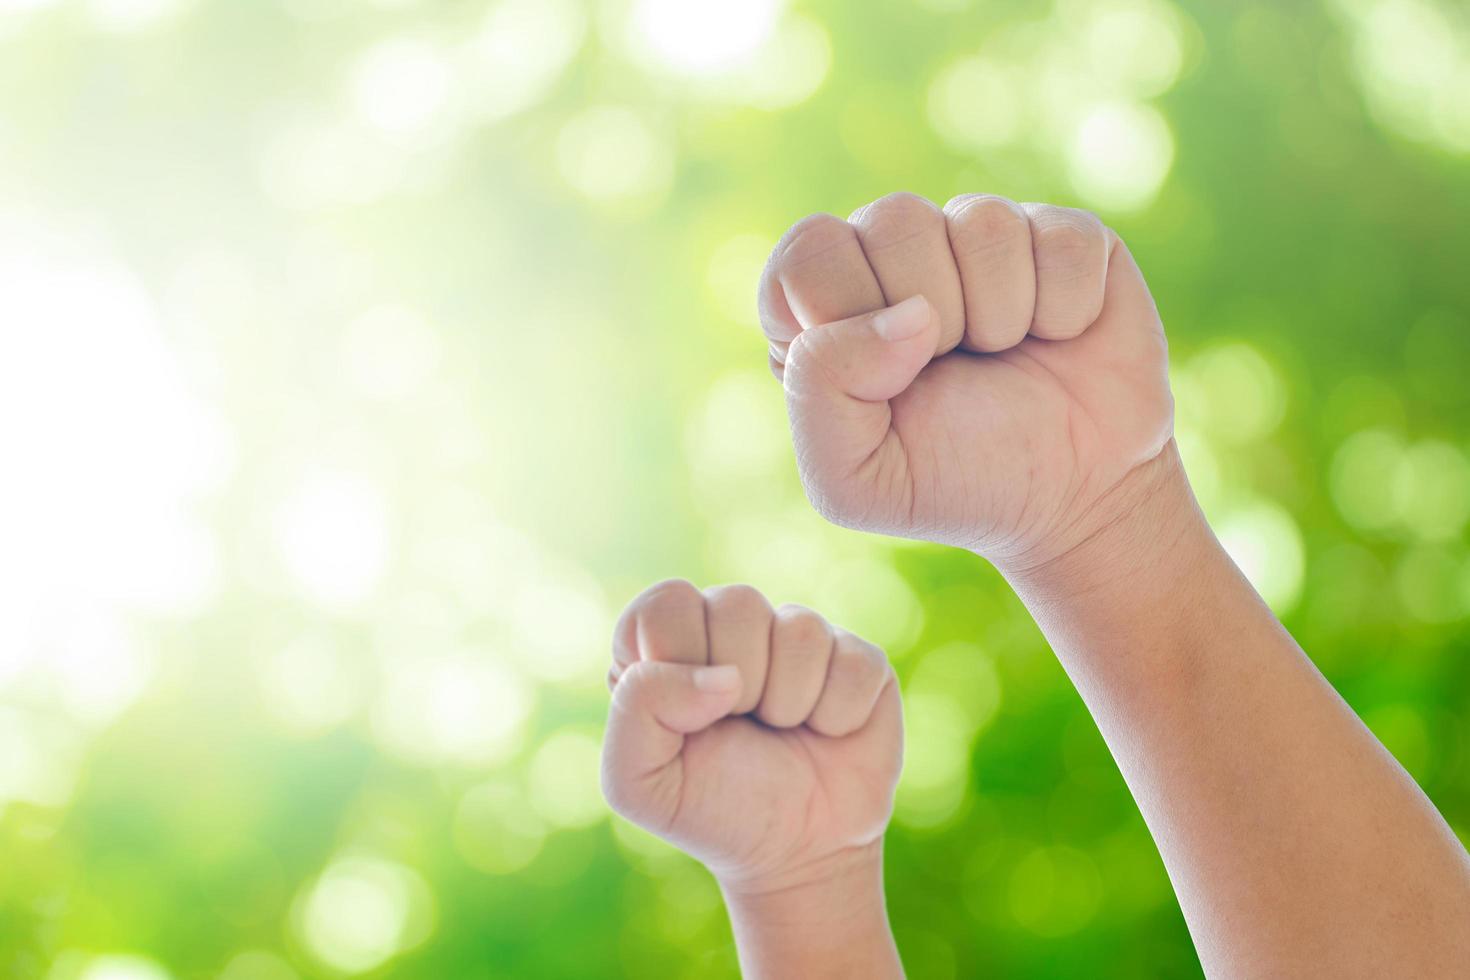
(1149, 532)
(831, 922)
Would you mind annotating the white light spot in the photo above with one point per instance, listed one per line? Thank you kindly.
(521, 50)
(391, 353)
(108, 448)
(976, 104)
(332, 535)
(463, 710)
(311, 685)
(1120, 155)
(1136, 45)
(1236, 393)
(612, 153)
(1360, 479)
(324, 163)
(732, 441)
(965, 674)
(563, 782)
(1200, 462)
(122, 966)
(98, 665)
(1413, 62)
(1431, 490)
(130, 16)
(1265, 542)
(495, 831)
(560, 630)
(42, 755)
(400, 86)
(698, 37)
(872, 600)
(362, 911)
(786, 71)
(937, 738)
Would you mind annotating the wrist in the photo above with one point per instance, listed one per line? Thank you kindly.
(1149, 535)
(824, 920)
(852, 868)
(1132, 604)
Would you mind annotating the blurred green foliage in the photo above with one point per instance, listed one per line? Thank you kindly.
(363, 358)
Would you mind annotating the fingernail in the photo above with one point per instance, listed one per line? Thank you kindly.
(721, 678)
(902, 321)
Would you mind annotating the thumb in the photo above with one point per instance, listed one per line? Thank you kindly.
(654, 706)
(839, 377)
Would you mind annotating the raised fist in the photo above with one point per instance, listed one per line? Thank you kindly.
(985, 376)
(766, 744)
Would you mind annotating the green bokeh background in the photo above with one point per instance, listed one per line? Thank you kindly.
(364, 358)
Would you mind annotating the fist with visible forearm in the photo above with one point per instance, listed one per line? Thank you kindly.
(766, 744)
(987, 375)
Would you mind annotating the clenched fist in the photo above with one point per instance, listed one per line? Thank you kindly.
(986, 375)
(765, 743)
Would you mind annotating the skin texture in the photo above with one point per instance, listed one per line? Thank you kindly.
(767, 745)
(1031, 422)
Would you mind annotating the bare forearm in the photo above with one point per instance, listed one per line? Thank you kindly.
(1295, 842)
(834, 928)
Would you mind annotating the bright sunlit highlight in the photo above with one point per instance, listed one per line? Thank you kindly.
(1120, 155)
(462, 709)
(613, 153)
(128, 16)
(1265, 542)
(332, 536)
(1136, 45)
(391, 352)
(697, 37)
(522, 49)
(122, 966)
(975, 104)
(311, 685)
(1234, 392)
(562, 780)
(108, 453)
(495, 830)
(401, 85)
(362, 912)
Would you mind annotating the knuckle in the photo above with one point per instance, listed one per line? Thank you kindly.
(1064, 242)
(896, 218)
(1067, 239)
(812, 236)
(802, 628)
(669, 598)
(866, 664)
(738, 602)
(672, 600)
(980, 222)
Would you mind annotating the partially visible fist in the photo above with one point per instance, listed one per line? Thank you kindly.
(765, 743)
(982, 375)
